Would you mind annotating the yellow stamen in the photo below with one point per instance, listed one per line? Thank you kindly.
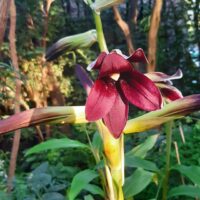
(115, 76)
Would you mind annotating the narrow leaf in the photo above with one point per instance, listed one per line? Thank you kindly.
(133, 161)
(137, 182)
(88, 197)
(185, 190)
(142, 149)
(94, 189)
(80, 181)
(191, 172)
(56, 144)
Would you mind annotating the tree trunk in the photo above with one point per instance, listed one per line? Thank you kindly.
(13, 54)
(133, 11)
(125, 28)
(153, 32)
(4, 8)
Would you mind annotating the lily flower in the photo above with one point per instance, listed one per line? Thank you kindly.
(117, 84)
(164, 83)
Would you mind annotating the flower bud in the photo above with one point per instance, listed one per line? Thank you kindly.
(99, 5)
(69, 43)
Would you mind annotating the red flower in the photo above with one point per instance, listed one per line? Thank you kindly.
(164, 83)
(117, 84)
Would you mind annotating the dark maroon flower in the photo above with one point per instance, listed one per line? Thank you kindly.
(117, 84)
(164, 83)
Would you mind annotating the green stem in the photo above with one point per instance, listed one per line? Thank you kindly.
(100, 34)
(168, 129)
(97, 160)
(99, 29)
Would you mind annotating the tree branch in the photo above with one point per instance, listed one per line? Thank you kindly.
(125, 28)
(152, 37)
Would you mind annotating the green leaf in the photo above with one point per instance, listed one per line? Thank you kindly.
(142, 149)
(42, 168)
(53, 196)
(56, 144)
(133, 161)
(97, 142)
(94, 189)
(40, 180)
(137, 182)
(80, 181)
(88, 197)
(185, 190)
(191, 172)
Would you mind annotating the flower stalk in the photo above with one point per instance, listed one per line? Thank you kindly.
(113, 148)
(114, 162)
(100, 34)
(168, 128)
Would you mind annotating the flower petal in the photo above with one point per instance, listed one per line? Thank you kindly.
(161, 77)
(141, 91)
(100, 99)
(84, 78)
(138, 56)
(116, 119)
(114, 63)
(97, 63)
(169, 92)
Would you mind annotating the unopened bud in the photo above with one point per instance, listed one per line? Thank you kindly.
(69, 43)
(99, 5)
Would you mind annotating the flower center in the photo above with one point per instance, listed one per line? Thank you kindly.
(115, 76)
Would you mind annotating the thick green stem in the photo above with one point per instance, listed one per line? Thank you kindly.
(168, 128)
(100, 34)
(99, 28)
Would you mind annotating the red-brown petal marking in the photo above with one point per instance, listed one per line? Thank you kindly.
(97, 63)
(116, 119)
(100, 99)
(114, 63)
(141, 91)
(138, 56)
(169, 92)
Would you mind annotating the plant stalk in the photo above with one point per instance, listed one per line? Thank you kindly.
(100, 34)
(168, 128)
